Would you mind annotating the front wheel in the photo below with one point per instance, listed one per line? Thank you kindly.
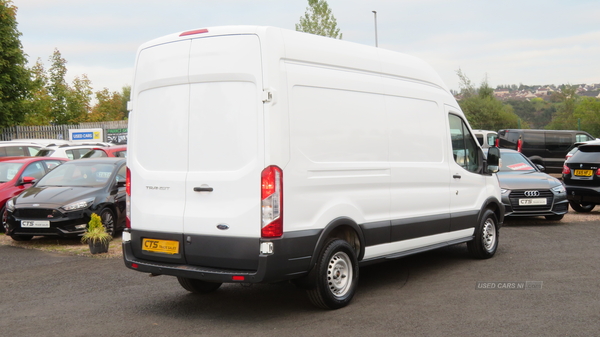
(336, 276)
(21, 237)
(198, 286)
(582, 207)
(108, 220)
(485, 243)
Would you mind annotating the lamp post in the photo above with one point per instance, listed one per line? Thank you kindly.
(375, 14)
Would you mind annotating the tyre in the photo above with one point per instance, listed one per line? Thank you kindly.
(198, 286)
(554, 217)
(336, 276)
(485, 243)
(108, 220)
(21, 237)
(3, 215)
(582, 207)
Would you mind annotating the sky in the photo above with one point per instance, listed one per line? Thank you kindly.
(531, 42)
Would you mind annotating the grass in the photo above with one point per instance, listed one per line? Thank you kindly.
(72, 246)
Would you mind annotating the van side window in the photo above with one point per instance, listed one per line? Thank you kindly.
(558, 141)
(582, 138)
(464, 148)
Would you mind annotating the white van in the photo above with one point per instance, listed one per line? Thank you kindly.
(486, 138)
(292, 156)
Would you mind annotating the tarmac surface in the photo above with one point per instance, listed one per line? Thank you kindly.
(543, 281)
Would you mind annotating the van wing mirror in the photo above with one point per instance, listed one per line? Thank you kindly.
(493, 160)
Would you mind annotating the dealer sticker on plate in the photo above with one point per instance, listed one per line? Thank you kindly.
(35, 224)
(160, 246)
(532, 202)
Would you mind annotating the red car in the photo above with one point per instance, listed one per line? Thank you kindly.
(18, 173)
(109, 151)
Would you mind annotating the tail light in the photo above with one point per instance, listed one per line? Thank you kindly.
(598, 172)
(271, 202)
(519, 145)
(497, 142)
(567, 170)
(127, 199)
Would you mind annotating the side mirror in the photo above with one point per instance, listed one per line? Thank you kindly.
(493, 160)
(541, 167)
(27, 180)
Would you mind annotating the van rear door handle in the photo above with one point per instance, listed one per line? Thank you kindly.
(203, 189)
(456, 176)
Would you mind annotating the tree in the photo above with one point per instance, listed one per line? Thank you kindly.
(69, 104)
(482, 109)
(564, 119)
(39, 106)
(14, 75)
(110, 106)
(319, 20)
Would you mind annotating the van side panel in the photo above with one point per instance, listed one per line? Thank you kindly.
(339, 148)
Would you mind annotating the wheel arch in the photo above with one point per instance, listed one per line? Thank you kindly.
(343, 228)
(495, 206)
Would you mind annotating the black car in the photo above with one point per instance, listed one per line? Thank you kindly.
(527, 191)
(62, 202)
(581, 175)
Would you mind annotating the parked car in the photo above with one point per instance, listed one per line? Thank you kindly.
(544, 147)
(62, 202)
(19, 149)
(486, 138)
(112, 151)
(69, 150)
(581, 175)
(19, 173)
(527, 191)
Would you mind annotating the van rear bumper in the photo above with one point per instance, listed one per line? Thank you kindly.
(291, 259)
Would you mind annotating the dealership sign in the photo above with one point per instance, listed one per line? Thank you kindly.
(86, 135)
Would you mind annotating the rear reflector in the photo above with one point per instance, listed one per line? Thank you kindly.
(238, 278)
(194, 32)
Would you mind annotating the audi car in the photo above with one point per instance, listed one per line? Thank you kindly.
(527, 190)
(581, 174)
(61, 203)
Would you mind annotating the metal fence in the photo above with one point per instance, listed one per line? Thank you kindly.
(115, 131)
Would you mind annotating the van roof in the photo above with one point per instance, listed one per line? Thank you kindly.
(320, 50)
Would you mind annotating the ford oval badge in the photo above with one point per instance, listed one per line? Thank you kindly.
(223, 226)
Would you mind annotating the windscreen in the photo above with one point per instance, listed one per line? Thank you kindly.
(8, 171)
(80, 173)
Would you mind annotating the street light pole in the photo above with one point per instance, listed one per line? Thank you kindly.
(375, 14)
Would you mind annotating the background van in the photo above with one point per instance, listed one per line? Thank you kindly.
(296, 157)
(544, 147)
(486, 138)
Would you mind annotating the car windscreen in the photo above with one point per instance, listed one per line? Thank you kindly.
(8, 171)
(79, 173)
(512, 161)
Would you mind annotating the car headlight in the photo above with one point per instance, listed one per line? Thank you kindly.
(559, 189)
(504, 190)
(10, 205)
(77, 205)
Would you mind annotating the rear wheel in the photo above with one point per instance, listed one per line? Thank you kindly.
(336, 276)
(198, 286)
(582, 207)
(554, 217)
(108, 220)
(485, 243)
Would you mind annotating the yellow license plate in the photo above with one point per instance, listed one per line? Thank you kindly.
(160, 246)
(583, 173)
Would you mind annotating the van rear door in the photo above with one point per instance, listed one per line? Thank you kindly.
(196, 151)
(222, 191)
